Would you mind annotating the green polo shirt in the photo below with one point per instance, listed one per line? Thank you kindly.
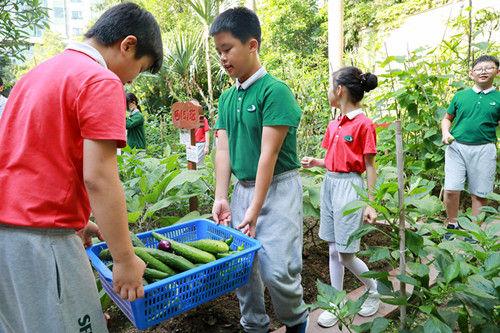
(244, 112)
(136, 138)
(476, 116)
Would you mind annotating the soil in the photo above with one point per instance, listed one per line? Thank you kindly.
(222, 315)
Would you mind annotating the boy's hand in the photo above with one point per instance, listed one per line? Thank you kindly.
(86, 234)
(221, 212)
(249, 223)
(205, 149)
(369, 215)
(447, 138)
(127, 278)
(308, 162)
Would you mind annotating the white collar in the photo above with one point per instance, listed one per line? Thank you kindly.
(352, 114)
(135, 111)
(251, 80)
(477, 90)
(88, 50)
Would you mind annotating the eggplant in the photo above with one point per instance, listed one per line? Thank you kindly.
(165, 245)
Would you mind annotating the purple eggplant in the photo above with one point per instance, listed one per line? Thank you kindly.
(165, 245)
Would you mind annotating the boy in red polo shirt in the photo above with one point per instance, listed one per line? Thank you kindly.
(350, 143)
(59, 133)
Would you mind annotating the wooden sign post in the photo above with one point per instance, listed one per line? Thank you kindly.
(186, 115)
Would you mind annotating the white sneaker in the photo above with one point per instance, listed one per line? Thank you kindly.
(327, 319)
(371, 304)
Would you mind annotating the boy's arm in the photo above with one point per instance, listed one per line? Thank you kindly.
(370, 215)
(107, 199)
(135, 120)
(220, 210)
(447, 138)
(309, 162)
(272, 139)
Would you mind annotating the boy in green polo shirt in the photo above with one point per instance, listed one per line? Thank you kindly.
(257, 127)
(473, 116)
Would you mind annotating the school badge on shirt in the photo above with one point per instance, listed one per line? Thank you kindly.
(348, 138)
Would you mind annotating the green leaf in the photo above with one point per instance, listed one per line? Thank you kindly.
(394, 300)
(451, 271)
(364, 230)
(375, 275)
(379, 253)
(408, 280)
(134, 216)
(434, 325)
(418, 269)
(493, 261)
(163, 203)
(379, 325)
(426, 308)
(186, 176)
(353, 206)
(414, 241)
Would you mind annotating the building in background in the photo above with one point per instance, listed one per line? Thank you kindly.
(68, 18)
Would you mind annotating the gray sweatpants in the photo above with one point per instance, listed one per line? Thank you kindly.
(278, 263)
(46, 283)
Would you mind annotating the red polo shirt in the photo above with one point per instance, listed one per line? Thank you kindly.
(347, 141)
(51, 110)
(199, 134)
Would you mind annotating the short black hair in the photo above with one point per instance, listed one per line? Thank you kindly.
(128, 19)
(356, 82)
(486, 58)
(131, 98)
(241, 22)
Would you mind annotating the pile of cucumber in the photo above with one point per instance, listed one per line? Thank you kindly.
(162, 264)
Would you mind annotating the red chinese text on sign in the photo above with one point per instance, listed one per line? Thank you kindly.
(186, 115)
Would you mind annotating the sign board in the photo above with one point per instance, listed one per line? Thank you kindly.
(192, 153)
(185, 137)
(186, 115)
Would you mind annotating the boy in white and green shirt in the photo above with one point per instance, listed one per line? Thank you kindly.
(469, 128)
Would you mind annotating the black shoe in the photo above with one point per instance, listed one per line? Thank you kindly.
(449, 235)
(299, 328)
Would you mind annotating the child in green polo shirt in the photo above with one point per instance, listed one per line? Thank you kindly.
(257, 128)
(473, 116)
(136, 137)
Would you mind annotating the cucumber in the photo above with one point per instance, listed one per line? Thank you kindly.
(136, 241)
(176, 262)
(151, 274)
(191, 253)
(152, 262)
(210, 245)
(241, 247)
(225, 254)
(105, 254)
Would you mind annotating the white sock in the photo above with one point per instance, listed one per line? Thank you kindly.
(336, 268)
(357, 267)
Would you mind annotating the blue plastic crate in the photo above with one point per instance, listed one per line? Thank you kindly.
(184, 291)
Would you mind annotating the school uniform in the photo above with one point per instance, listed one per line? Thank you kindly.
(136, 137)
(46, 283)
(199, 136)
(347, 139)
(472, 156)
(244, 110)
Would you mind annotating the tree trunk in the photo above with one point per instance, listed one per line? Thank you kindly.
(209, 74)
(335, 35)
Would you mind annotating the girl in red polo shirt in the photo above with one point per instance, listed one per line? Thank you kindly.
(350, 144)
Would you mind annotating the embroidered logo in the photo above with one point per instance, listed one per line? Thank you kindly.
(348, 138)
(251, 108)
(493, 103)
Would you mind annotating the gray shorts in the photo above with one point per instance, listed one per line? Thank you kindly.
(336, 192)
(46, 283)
(474, 163)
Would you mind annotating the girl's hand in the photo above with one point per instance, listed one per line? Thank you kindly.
(369, 215)
(308, 162)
